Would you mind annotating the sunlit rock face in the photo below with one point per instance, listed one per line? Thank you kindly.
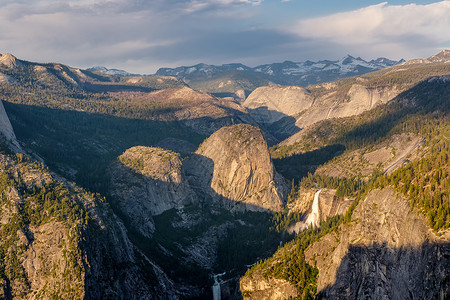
(233, 166)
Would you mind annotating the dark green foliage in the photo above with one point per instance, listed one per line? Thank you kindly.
(84, 142)
(351, 187)
(289, 262)
(426, 182)
(251, 238)
(299, 165)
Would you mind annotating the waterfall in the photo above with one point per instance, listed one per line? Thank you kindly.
(216, 286)
(314, 217)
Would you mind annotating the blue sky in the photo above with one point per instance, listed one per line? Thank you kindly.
(142, 35)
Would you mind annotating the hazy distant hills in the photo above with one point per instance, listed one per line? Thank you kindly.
(288, 72)
(238, 80)
(222, 79)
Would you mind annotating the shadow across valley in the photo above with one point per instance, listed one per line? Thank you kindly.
(80, 145)
(278, 124)
(382, 272)
(197, 231)
(299, 165)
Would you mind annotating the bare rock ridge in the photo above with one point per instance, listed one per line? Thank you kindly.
(234, 165)
(270, 104)
(387, 251)
(441, 57)
(200, 111)
(148, 181)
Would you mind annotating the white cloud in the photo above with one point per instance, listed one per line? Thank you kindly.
(116, 33)
(385, 27)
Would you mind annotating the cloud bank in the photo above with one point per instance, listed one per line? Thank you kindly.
(391, 29)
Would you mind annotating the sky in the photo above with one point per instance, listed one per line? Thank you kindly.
(141, 36)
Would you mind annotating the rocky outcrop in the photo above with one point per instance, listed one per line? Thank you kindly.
(270, 104)
(283, 111)
(360, 99)
(147, 181)
(357, 100)
(233, 166)
(9, 61)
(441, 57)
(4, 78)
(258, 287)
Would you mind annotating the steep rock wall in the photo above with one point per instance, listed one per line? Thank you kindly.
(234, 166)
(148, 181)
(270, 104)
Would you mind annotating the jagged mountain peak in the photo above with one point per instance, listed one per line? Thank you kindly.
(285, 73)
(347, 59)
(443, 56)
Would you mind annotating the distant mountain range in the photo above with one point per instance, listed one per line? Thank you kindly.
(285, 73)
(288, 72)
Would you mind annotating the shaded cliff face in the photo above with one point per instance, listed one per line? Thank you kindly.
(233, 166)
(182, 212)
(386, 251)
(147, 181)
(58, 241)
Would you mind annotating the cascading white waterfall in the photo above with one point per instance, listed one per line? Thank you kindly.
(314, 216)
